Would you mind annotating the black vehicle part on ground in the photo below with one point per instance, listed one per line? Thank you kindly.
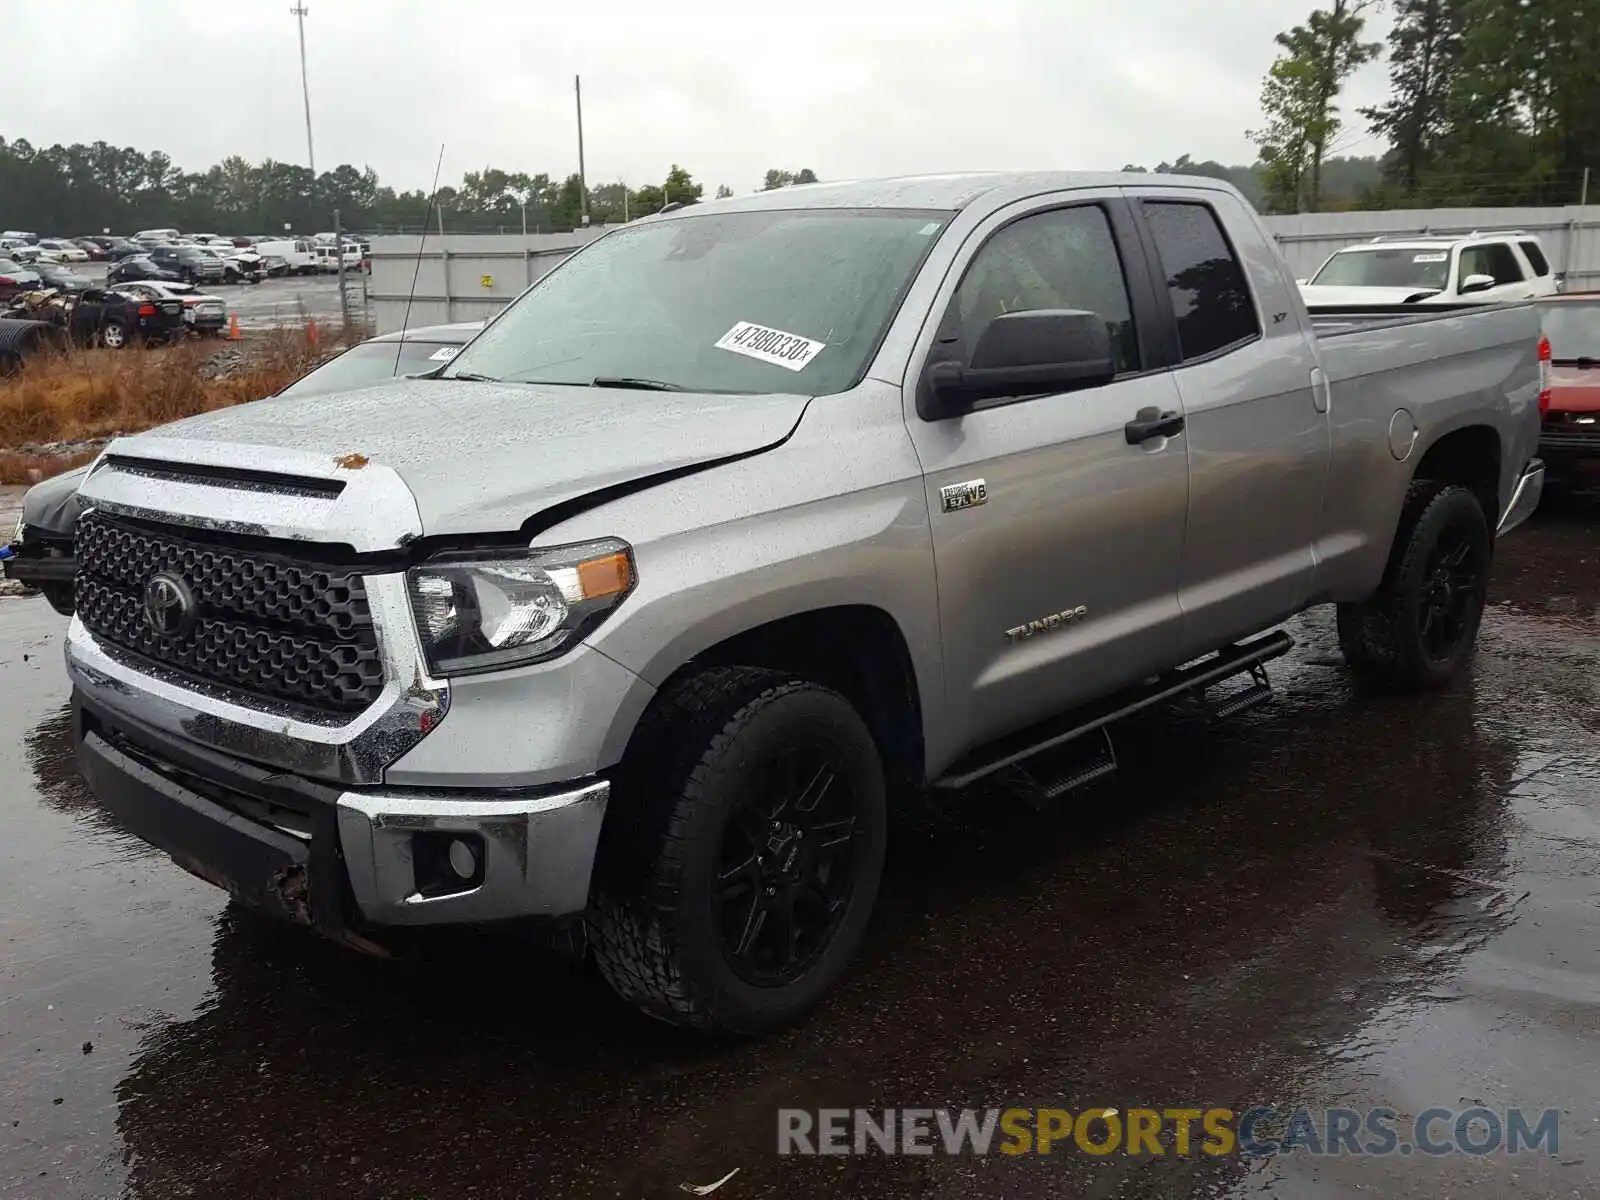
(1420, 627)
(21, 339)
(679, 932)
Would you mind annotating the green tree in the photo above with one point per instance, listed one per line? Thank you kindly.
(680, 187)
(723, 191)
(1424, 63)
(777, 178)
(1298, 100)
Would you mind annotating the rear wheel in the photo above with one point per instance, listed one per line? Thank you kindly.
(114, 335)
(1421, 626)
(742, 853)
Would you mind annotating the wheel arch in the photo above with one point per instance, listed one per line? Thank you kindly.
(1471, 455)
(858, 650)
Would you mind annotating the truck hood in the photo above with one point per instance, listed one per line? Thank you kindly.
(485, 457)
(1330, 295)
(1575, 389)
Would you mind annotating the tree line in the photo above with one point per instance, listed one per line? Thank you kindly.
(1491, 102)
(79, 189)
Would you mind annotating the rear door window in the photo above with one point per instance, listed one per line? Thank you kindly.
(1206, 285)
(1536, 258)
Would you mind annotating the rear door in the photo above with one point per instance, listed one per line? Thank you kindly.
(1256, 413)
(1056, 541)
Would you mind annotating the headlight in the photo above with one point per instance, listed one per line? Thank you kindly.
(485, 614)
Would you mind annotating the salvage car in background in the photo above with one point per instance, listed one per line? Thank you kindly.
(16, 278)
(67, 252)
(139, 266)
(202, 312)
(1569, 442)
(42, 545)
(62, 278)
(1481, 268)
(191, 263)
(97, 317)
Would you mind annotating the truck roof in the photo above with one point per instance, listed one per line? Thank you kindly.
(955, 191)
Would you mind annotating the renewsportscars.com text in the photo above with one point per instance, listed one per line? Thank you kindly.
(1258, 1131)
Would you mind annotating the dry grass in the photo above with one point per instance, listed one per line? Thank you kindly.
(31, 468)
(79, 395)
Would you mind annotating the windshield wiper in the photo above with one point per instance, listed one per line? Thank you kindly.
(1584, 361)
(471, 378)
(629, 381)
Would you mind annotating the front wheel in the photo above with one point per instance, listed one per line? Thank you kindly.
(1419, 630)
(742, 852)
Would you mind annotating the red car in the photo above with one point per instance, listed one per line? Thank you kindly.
(1569, 443)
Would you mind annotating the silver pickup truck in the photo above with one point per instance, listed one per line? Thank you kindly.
(751, 521)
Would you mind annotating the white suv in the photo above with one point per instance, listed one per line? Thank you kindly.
(1480, 268)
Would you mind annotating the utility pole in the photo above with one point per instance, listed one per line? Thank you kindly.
(299, 12)
(583, 179)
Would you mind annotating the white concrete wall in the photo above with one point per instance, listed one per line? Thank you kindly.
(462, 277)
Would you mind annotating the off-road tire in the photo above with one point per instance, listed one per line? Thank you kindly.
(652, 925)
(1381, 637)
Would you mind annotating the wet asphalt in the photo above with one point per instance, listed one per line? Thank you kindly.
(1339, 900)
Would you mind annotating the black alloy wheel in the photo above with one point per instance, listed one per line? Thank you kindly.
(787, 867)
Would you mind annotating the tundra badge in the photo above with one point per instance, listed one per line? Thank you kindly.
(1022, 633)
(964, 495)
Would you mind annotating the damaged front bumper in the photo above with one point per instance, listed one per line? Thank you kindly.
(347, 863)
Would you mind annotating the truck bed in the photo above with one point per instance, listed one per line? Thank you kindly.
(1334, 320)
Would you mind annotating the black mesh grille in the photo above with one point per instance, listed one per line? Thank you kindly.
(267, 625)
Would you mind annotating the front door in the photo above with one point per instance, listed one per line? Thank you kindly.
(1056, 540)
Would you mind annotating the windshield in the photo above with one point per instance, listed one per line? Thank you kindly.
(369, 363)
(1389, 267)
(1573, 330)
(8, 267)
(787, 301)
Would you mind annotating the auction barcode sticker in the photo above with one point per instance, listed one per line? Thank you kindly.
(1432, 256)
(787, 350)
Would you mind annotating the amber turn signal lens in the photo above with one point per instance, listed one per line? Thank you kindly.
(605, 576)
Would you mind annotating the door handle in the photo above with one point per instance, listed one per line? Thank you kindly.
(1157, 424)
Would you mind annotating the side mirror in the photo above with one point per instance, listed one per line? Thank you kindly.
(1022, 354)
(1476, 283)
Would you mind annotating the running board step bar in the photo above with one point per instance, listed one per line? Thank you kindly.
(1248, 657)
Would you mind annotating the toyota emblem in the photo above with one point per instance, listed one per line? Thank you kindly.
(169, 607)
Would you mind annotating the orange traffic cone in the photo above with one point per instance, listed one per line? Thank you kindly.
(312, 334)
(233, 328)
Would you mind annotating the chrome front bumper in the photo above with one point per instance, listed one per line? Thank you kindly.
(537, 853)
(1524, 497)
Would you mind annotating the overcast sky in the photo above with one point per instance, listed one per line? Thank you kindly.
(725, 87)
